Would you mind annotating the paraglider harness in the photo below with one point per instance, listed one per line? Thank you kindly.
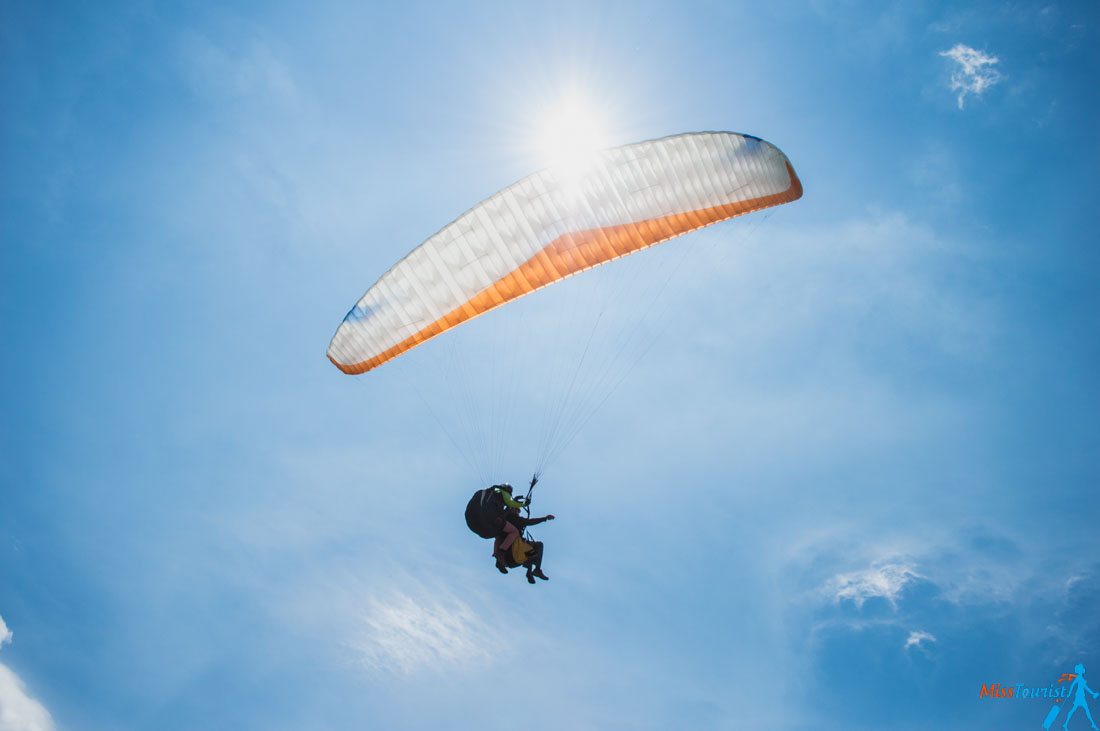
(486, 509)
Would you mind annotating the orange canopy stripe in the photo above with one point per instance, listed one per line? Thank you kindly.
(572, 253)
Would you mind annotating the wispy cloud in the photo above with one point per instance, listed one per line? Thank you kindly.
(406, 634)
(917, 638)
(18, 711)
(974, 71)
(886, 581)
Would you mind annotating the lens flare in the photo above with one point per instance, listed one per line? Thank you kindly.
(570, 136)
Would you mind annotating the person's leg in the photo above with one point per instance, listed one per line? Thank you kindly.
(502, 544)
(511, 533)
(536, 561)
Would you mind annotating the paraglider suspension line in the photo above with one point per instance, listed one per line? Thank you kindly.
(527, 501)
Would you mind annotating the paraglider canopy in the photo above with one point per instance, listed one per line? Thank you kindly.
(554, 224)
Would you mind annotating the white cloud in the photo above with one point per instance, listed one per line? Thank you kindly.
(406, 634)
(886, 581)
(917, 638)
(18, 711)
(974, 71)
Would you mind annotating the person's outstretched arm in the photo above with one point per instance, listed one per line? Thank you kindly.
(536, 521)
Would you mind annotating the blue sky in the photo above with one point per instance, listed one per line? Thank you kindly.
(854, 479)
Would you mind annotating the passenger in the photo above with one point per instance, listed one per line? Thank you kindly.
(524, 553)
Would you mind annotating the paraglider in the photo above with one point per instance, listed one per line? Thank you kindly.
(554, 224)
(542, 229)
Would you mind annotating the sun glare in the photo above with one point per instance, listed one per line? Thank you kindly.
(570, 136)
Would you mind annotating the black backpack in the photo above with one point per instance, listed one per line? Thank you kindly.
(484, 511)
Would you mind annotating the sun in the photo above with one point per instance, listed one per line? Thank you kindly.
(570, 135)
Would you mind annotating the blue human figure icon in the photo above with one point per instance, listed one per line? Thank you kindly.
(1077, 690)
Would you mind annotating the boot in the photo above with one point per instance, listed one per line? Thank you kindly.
(538, 573)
